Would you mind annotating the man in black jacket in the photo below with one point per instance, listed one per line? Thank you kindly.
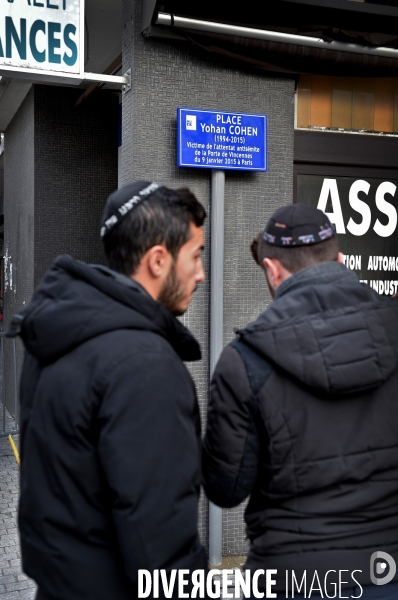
(304, 418)
(110, 430)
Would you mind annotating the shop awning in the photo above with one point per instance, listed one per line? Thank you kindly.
(365, 26)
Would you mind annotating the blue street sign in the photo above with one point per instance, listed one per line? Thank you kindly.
(211, 139)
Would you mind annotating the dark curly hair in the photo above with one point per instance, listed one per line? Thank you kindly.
(164, 218)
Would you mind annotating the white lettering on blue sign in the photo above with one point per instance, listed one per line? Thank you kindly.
(221, 140)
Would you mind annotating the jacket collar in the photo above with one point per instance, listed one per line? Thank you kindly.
(75, 302)
(327, 272)
(123, 279)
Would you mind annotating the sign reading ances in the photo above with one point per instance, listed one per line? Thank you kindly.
(209, 139)
(42, 35)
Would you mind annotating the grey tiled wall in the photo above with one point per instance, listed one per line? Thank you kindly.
(75, 171)
(19, 167)
(168, 74)
(19, 198)
(60, 165)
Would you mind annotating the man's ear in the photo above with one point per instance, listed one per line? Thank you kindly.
(275, 271)
(340, 258)
(158, 260)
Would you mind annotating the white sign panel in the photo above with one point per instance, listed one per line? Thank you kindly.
(42, 35)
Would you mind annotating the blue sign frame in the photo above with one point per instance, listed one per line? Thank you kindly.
(216, 139)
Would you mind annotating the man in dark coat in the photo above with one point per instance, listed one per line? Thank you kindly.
(304, 418)
(110, 430)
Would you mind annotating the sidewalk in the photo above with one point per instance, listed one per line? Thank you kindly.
(13, 584)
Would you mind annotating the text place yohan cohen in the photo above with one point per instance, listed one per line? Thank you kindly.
(210, 139)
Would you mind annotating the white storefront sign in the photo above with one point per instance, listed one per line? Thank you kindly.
(42, 36)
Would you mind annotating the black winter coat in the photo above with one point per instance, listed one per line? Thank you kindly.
(110, 437)
(317, 448)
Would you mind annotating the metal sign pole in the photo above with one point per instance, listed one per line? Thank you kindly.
(216, 329)
(202, 136)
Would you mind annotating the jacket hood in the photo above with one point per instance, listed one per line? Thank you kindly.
(329, 331)
(75, 302)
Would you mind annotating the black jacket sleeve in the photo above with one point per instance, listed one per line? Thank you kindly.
(231, 445)
(149, 450)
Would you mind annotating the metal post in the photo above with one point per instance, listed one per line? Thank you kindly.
(3, 384)
(16, 407)
(216, 329)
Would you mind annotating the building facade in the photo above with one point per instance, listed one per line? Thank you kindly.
(61, 156)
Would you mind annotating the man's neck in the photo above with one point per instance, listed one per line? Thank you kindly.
(325, 272)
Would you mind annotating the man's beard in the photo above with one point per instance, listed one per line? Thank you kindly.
(172, 294)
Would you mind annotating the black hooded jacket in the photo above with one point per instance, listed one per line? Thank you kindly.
(316, 446)
(110, 437)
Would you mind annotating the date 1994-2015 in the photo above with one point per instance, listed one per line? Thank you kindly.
(230, 139)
